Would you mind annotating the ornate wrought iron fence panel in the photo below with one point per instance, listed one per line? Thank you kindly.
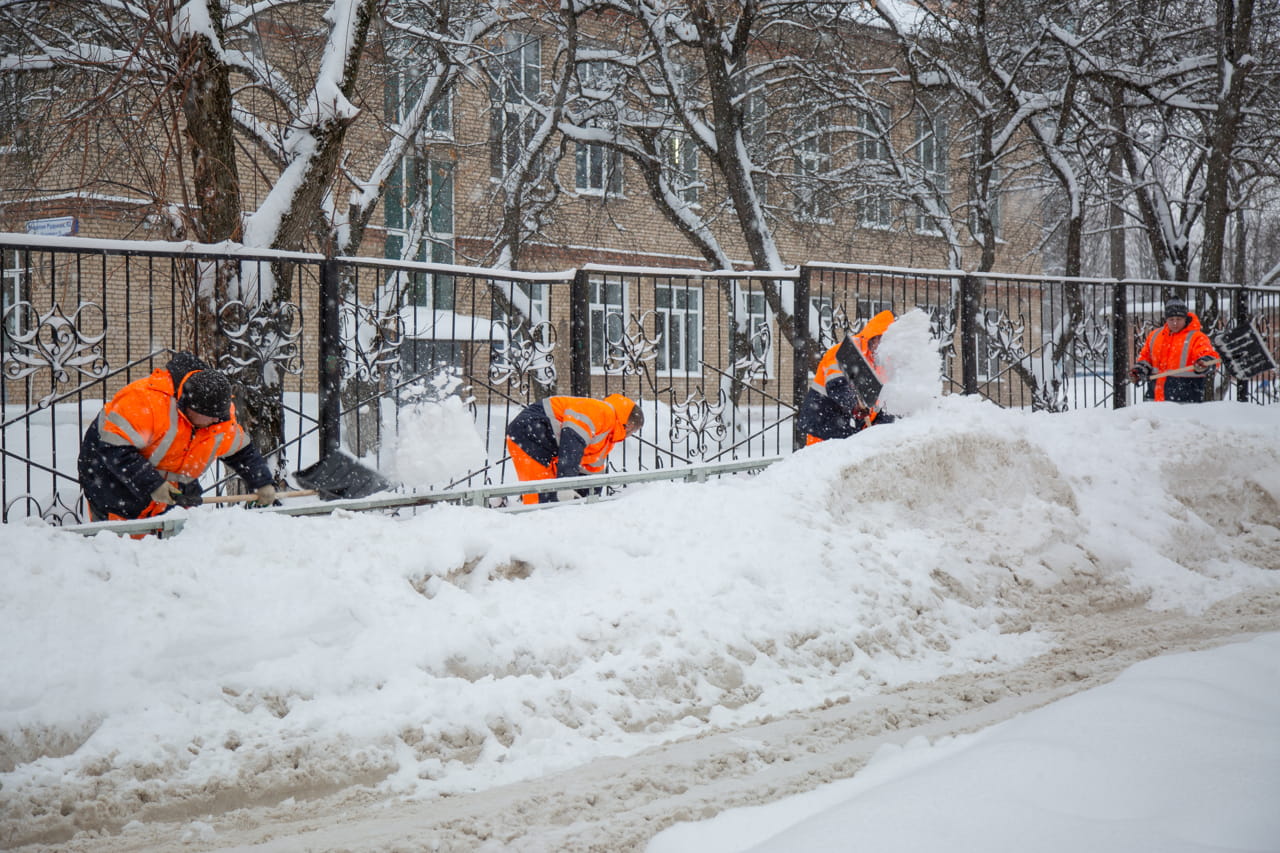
(81, 319)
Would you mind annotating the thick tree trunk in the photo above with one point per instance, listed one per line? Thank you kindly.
(1235, 25)
(205, 96)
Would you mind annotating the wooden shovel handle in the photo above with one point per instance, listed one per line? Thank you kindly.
(1179, 371)
(226, 499)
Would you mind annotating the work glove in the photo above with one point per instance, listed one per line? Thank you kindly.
(1204, 364)
(1140, 372)
(189, 494)
(165, 494)
(266, 496)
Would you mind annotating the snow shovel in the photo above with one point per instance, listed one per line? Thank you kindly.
(860, 372)
(1244, 352)
(338, 477)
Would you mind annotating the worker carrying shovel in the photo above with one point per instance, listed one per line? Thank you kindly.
(1176, 359)
(568, 437)
(147, 449)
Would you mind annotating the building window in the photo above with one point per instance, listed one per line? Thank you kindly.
(419, 212)
(755, 130)
(875, 208)
(681, 157)
(607, 310)
(931, 154)
(527, 297)
(597, 169)
(402, 91)
(679, 330)
(13, 292)
(813, 164)
(515, 83)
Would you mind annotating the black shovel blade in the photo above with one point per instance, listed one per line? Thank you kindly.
(861, 374)
(339, 477)
(1244, 352)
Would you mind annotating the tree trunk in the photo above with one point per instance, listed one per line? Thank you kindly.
(1234, 32)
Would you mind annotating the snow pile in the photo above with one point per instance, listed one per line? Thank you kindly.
(264, 657)
(435, 442)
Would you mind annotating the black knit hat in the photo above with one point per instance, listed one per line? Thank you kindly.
(1175, 308)
(207, 392)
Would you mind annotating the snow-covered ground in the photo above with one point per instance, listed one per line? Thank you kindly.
(913, 614)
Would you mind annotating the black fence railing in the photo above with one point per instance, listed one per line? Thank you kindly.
(417, 368)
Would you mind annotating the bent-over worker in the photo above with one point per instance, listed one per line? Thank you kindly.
(147, 449)
(568, 437)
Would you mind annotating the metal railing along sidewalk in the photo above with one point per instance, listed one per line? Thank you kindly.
(483, 496)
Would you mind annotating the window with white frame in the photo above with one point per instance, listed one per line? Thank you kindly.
(873, 143)
(607, 311)
(755, 128)
(875, 208)
(515, 77)
(679, 315)
(813, 164)
(13, 290)
(822, 320)
(402, 90)
(529, 298)
(931, 154)
(418, 204)
(597, 167)
(681, 158)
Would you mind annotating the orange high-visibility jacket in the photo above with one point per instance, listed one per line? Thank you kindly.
(145, 415)
(828, 405)
(1164, 350)
(142, 439)
(600, 424)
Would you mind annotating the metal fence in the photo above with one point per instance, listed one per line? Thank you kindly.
(417, 368)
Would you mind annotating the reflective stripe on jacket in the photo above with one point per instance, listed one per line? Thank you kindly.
(145, 415)
(576, 432)
(142, 439)
(600, 424)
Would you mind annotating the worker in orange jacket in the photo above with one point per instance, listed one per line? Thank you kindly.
(146, 451)
(568, 437)
(1179, 343)
(831, 408)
